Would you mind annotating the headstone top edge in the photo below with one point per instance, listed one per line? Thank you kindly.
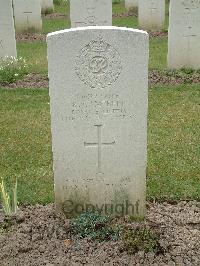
(79, 29)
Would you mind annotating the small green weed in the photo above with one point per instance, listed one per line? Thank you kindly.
(96, 226)
(9, 199)
(141, 238)
(12, 69)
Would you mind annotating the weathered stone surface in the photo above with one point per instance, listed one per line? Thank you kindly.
(7, 31)
(184, 34)
(90, 13)
(47, 6)
(27, 15)
(151, 14)
(98, 90)
(131, 4)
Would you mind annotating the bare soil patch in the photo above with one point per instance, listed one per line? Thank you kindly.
(55, 15)
(37, 235)
(160, 34)
(31, 81)
(125, 14)
(31, 37)
(167, 77)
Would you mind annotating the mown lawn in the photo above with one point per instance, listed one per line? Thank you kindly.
(173, 129)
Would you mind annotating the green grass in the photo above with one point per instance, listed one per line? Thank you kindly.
(25, 143)
(119, 8)
(51, 25)
(130, 22)
(62, 9)
(158, 53)
(173, 143)
(35, 54)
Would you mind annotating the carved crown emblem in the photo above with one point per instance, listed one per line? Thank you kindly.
(98, 46)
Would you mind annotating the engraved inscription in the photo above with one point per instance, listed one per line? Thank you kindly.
(98, 106)
(99, 145)
(98, 64)
(27, 13)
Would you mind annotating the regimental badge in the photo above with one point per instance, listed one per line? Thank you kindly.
(98, 64)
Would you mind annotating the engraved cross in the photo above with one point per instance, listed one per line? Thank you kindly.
(27, 17)
(99, 145)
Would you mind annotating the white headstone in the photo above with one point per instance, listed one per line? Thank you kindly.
(90, 13)
(184, 34)
(7, 31)
(131, 4)
(47, 6)
(151, 14)
(98, 90)
(27, 15)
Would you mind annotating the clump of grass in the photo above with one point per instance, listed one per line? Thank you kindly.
(9, 199)
(12, 69)
(96, 226)
(141, 238)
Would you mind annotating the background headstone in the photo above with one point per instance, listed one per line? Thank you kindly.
(98, 90)
(47, 6)
(131, 4)
(7, 31)
(90, 13)
(27, 15)
(184, 34)
(151, 14)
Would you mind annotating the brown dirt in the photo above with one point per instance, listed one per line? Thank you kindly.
(55, 15)
(31, 81)
(160, 34)
(39, 236)
(31, 37)
(172, 78)
(125, 14)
